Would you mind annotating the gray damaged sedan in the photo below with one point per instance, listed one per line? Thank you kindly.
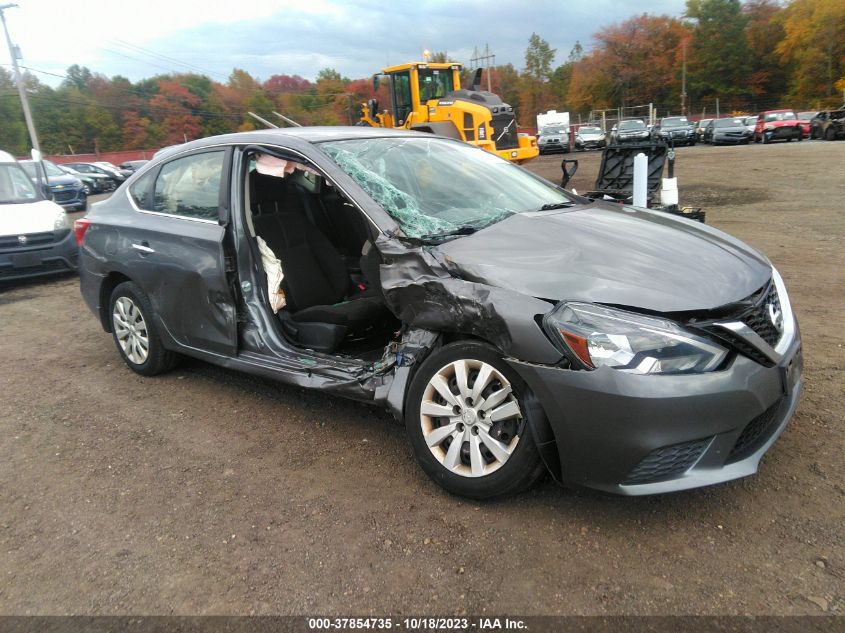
(514, 327)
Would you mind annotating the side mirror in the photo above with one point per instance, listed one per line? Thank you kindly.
(376, 82)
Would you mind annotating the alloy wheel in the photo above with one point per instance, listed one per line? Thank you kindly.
(130, 329)
(470, 418)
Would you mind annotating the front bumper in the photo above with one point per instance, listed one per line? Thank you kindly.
(636, 435)
(780, 133)
(591, 144)
(41, 256)
(70, 197)
(731, 139)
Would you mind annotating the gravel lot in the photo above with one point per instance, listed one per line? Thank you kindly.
(209, 492)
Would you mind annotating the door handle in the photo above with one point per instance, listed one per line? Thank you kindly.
(143, 248)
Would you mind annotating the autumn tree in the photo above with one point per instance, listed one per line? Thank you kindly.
(814, 41)
(172, 109)
(769, 75)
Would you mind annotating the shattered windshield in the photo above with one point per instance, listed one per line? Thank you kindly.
(436, 186)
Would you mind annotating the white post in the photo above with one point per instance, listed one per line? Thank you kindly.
(640, 180)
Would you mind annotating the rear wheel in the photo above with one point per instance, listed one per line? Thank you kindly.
(467, 424)
(134, 331)
(829, 134)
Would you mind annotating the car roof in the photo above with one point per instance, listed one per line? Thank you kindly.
(6, 157)
(296, 136)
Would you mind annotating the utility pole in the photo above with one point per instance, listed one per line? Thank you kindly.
(15, 53)
(486, 57)
(684, 82)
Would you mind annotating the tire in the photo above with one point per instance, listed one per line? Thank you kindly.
(133, 327)
(765, 140)
(830, 134)
(477, 471)
(800, 135)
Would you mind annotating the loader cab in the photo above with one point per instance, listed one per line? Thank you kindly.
(413, 85)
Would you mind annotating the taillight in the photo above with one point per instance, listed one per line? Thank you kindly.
(79, 227)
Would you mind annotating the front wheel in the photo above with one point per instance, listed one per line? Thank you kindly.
(467, 423)
(134, 331)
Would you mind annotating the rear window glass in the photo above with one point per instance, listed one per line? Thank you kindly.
(140, 191)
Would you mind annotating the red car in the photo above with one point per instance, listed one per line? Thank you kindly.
(774, 125)
(804, 119)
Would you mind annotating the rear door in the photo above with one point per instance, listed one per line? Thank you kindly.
(176, 247)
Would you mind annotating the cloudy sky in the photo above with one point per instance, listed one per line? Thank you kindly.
(147, 37)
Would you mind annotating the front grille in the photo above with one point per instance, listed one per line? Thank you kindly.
(759, 320)
(666, 463)
(46, 267)
(756, 433)
(504, 131)
(742, 346)
(12, 242)
(63, 196)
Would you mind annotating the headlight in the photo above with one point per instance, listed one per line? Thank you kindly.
(61, 222)
(605, 337)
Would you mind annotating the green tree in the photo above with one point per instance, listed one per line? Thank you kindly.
(538, 58)
(13, 134)
(720, 60)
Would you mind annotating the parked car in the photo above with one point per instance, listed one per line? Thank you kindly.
(91, 168)
(727, 131)
(590, 137)
(93, 183)
(111, 167)
(699, 129)
(630, 131)
(133, 165)
(35, 233)
(777, 125)
(553, 138)
(677, 129)
(805, 120)
(67, 190)
(512, 325)
(750, 123)
(830, 124)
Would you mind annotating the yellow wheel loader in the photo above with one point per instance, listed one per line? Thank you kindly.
(427, 97)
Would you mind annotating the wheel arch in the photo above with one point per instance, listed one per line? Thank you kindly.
(110, 282)
(542, 432)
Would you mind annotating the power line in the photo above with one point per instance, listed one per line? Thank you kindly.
(141, 49)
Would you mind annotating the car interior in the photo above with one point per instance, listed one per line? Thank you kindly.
(332, 300)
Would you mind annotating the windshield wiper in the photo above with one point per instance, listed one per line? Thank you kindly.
(556, 205)
(461, 230)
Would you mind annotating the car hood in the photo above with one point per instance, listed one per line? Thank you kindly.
(66, 180)
(29, 217)
(786, 123)
(611, 254)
